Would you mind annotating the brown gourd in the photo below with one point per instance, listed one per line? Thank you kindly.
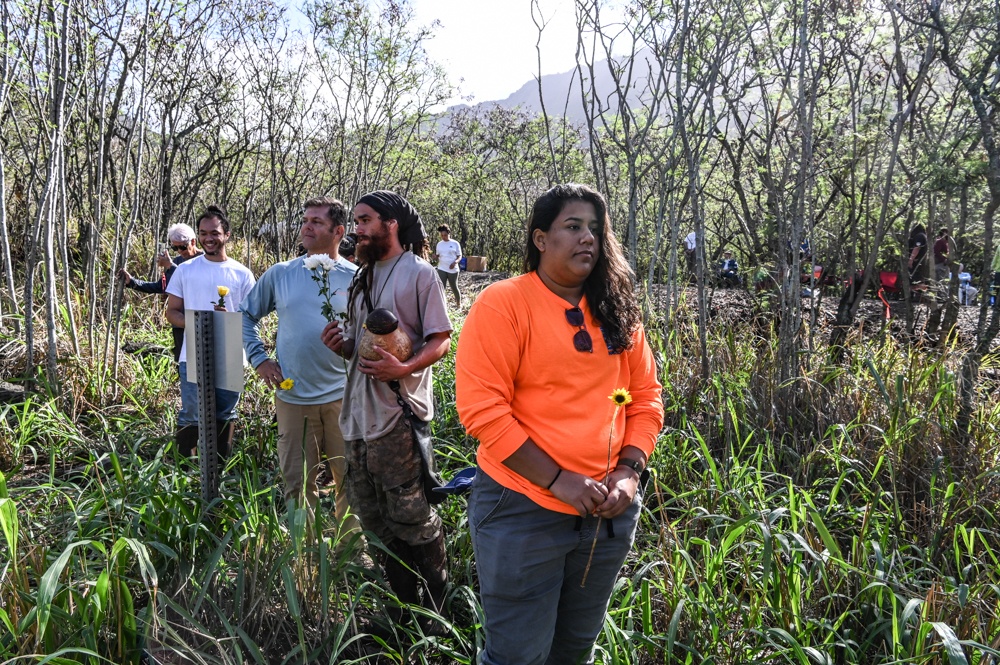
(381, 329)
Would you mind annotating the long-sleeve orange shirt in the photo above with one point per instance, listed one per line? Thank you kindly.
(518, 376)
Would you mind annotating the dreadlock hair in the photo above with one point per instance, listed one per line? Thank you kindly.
(360, 283)
(423, 251)
(609, 288)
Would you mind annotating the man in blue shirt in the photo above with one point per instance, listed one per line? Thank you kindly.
(729, 270)
(314, 378)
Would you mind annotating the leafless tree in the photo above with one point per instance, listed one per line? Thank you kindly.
(968, 40)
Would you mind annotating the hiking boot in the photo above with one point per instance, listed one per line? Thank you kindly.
(186, 441)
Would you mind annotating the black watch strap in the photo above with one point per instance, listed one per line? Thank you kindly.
(633, 464)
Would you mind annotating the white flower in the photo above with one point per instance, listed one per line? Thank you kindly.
(322, 261)
(320, 266)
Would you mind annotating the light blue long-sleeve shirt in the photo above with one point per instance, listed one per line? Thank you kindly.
(288, 289)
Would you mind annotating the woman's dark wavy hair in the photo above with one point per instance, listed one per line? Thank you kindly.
(610, 288)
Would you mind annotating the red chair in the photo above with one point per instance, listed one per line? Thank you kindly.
(889, 282)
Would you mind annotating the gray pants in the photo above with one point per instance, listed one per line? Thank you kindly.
(451, 279)
(530, 562)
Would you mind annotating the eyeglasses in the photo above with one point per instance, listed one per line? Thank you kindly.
(179, 248)
(581, 340)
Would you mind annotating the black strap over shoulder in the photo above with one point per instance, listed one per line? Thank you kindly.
(403, 404)
(425, 447)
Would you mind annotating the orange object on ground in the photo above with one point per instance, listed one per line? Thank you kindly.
(881, 296)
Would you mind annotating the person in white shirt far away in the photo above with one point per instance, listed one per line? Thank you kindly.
(449, 253)
(690, 244)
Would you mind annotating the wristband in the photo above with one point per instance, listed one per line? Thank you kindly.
(558, 473)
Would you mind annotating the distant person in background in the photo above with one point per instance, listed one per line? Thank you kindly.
(348, 248)
(941, 251)
(729, 270)
(966, 291)
(690, 244)
(181, 239)
(805, 252)
(449, 253)
(917, 247)
(195, 285)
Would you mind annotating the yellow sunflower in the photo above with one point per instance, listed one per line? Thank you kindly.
(620, 397)
(287, 384)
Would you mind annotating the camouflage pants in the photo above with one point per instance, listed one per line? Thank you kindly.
(385, 488)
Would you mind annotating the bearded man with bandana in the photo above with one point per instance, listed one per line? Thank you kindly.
(385, 471)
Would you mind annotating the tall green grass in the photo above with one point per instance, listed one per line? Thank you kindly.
(844, 526)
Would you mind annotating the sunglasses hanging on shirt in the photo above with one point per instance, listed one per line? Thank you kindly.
(581, 340)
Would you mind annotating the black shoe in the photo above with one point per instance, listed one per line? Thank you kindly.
(186, 441)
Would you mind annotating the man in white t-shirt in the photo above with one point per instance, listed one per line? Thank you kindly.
(195, 285)
(449, 253)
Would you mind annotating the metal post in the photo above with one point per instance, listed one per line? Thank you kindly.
(208, 444)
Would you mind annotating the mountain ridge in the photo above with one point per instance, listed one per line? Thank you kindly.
(561, 91)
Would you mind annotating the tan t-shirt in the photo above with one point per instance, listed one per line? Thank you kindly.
(411, 289)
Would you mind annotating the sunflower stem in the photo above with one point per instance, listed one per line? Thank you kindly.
(607, 476)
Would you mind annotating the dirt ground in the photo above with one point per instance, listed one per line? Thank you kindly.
(738, 307)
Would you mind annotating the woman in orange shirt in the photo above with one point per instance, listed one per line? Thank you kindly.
(538, 358)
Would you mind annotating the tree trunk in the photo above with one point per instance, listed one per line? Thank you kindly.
(851, 299)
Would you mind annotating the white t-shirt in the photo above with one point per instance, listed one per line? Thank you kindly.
(448, 252)
(197, 281)
(690, 241)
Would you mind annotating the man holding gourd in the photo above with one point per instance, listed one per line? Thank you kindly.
(397, 327)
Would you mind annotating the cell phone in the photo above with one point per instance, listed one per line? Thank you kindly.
(161, 248)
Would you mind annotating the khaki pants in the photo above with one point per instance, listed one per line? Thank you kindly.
(308, 436)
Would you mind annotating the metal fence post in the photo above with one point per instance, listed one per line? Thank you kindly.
(208, 444)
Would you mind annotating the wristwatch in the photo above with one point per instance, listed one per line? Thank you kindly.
(633, 464)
